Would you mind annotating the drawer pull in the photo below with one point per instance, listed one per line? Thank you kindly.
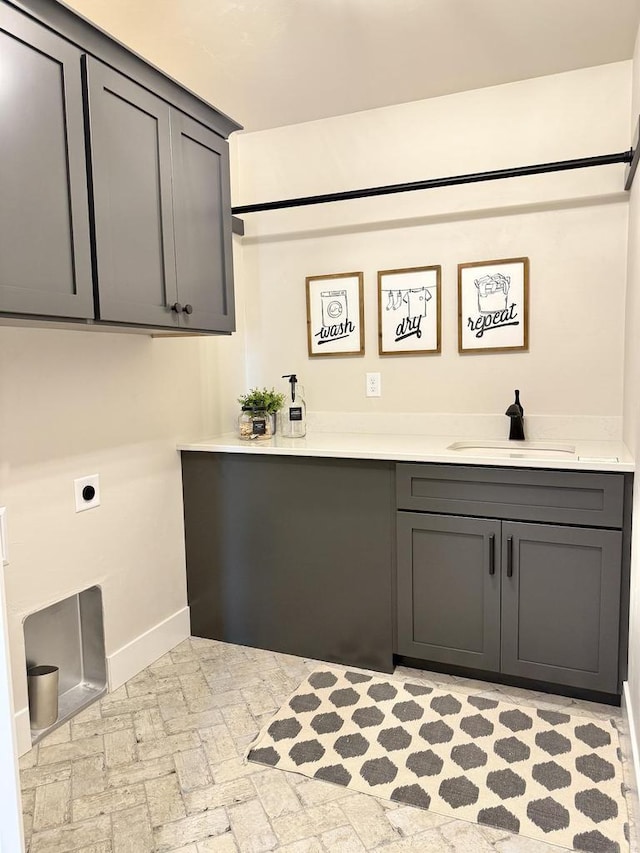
(492, 554)
(509, 556)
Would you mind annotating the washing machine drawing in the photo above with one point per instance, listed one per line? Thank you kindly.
(335, 308)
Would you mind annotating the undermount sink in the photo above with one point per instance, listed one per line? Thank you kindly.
(514, 449)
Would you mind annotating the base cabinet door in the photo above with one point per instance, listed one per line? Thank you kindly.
(449, 589)
(561, 604)
(45, 252)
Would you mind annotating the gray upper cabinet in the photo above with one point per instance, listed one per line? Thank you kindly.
(115, 202)
(161, 210)
(130, 146)
(45, 259)
(202, 225)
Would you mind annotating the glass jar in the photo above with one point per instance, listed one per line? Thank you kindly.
(254, 424)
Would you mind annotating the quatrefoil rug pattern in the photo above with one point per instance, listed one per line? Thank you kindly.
(543, 774)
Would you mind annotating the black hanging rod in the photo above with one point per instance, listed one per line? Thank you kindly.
(432, 183)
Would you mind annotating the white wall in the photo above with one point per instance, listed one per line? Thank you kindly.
(632, 422)
(632, 315)
(77, 402)
(573, 227)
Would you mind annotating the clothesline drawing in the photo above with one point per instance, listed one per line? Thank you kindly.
(409, 311)
(415, 299)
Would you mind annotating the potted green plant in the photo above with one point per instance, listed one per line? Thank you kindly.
(259, 403)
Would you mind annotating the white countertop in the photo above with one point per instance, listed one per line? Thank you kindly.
(562, 455)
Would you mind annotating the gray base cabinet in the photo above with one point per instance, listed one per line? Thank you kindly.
(528, 599)
(292, 554)
(313, 556)
(531, 600)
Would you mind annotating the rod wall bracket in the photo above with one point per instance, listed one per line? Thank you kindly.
(635, 156)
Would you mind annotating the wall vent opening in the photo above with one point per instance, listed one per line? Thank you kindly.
(69, 635)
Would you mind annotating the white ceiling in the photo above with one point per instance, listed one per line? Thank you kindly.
(268, 63)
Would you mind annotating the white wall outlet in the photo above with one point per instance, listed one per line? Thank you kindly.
(4, 542)
(87, 492)
(373, 385)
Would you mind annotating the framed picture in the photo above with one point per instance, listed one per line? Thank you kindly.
(409, 311)
(493, 306)
(335, 314)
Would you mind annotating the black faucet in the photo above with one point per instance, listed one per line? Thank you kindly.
(515, 413)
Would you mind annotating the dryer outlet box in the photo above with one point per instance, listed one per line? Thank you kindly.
(87, 492)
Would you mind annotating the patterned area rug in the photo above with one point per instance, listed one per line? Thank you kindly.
(543, 774)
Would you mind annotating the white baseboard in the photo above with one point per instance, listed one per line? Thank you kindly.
(147, 648)
(23, 731)
(633, 731)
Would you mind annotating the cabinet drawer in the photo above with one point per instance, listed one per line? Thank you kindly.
(562, 497)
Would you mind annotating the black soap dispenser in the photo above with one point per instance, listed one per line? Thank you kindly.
(294, 414)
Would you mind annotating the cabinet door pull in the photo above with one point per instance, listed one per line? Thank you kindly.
(492, 554)
(509, 556)
(176, 307)
(188, 309)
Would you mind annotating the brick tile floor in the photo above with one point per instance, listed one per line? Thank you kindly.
(157, 766)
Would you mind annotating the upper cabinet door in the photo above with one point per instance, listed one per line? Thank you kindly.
(202, 212)
(45, 257)
(130, 148)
